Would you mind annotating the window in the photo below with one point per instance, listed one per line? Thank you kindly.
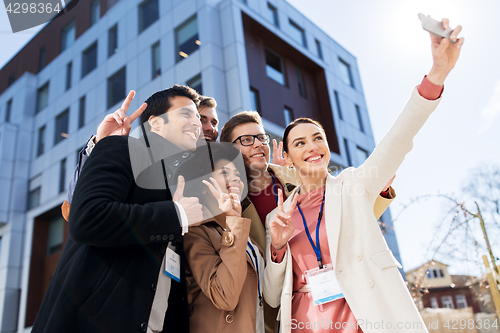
(8, 110)
(254, 100)
(148, 14)
(62, 175)
(41, 141)
(274, 67)
(441, 273)
(434, 303)
(55, 235)
(34, 197)
(429, 276)
(116, 87)
(81, 112)
(272, 14)
(95, 12)
(61, 132)
(348, 154)
(42, 97)
(41, 59)
(318, 49)
(196, 84)
(362, 155)
(112, 40)
(12, 79)
(186, 38)
(300, 79)
(447, 302)
(461, 301)
(337, 102)
(360, 119)
(297, 33)
(345, 73)
(68, 35)
(89, 59)
(69, 69)
(156, 60)
(288, 114)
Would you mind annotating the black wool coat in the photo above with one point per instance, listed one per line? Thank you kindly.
(106, 278)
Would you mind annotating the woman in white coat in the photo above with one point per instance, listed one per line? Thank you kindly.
(328, 265)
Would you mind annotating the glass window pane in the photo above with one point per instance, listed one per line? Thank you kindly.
(61, 132)
(274, 67)
(148, 14)
(34, 198)
(156, 60)
(196, 84)
(89, 59)
(69, 70)
(95, 12)
(318, 49)
(116, 87)
(68, 35)
(272, 14)
(360, 119)
(81, 112)
(345, 73)
(42, 98)
(288, 114)
(62, 176)
(112, 40)
(55, 235)
(8, 110)
(186, 38)
(254, 100)
(297, 33)
(41, 141)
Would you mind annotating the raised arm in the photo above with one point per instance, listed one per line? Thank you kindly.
(390, 152)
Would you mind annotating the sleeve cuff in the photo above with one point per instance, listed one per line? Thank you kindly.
(429, 90)
(183, 217)
(277, 255)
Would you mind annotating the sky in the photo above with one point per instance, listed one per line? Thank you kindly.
(393, 55)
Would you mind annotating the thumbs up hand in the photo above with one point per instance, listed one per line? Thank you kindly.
(191, 206)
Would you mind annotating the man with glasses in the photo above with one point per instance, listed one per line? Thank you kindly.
(246, 131)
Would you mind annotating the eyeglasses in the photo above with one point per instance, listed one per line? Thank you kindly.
(248, 140)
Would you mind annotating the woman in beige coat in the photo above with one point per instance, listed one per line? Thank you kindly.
(345, 244)
(223, 263)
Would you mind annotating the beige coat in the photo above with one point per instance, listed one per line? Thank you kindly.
(366, 269)
(220, 277)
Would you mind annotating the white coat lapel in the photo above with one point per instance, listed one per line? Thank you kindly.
(333, 210)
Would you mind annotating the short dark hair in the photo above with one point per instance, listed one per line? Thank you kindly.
(206, 101)
(295, 123)
(159, 102)
(239, 119)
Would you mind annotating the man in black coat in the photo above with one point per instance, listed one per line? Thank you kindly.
(119, 231)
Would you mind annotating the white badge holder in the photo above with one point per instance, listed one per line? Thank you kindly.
(323, 284)
(172, 263)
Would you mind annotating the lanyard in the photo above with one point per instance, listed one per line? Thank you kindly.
(316, 247)
(256, 265)
(275, 191)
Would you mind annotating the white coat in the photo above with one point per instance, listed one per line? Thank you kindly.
(366, 269)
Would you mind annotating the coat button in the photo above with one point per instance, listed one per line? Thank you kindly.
(185, 155)
(153, 286)
(229, 318)
(171, 237)
(163, 248)
(370, 283)
(158, 237)
(176, 163)
(164, 237)
(359, 257)
(227, 238)
(144, 326)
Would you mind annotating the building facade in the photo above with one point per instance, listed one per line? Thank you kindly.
(259, 55)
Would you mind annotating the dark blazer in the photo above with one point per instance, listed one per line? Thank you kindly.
(106, 278)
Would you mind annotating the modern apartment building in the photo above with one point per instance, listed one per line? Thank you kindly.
(259, 55)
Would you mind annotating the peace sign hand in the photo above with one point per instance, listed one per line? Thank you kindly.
(118, 123)
(281, 226)
(229, 203)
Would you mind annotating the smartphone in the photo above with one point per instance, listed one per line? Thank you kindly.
(435, 27)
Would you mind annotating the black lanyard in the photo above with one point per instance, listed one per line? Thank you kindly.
(275, 191)
(316, 247)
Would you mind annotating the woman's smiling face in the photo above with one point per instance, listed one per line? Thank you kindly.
(228, 177)
(308, 149)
